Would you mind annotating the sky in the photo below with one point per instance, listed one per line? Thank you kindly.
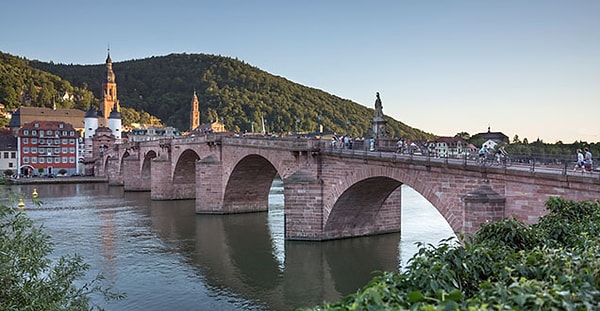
(527, 68)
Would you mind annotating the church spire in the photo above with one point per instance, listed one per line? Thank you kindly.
(195, 113)
(109, 92)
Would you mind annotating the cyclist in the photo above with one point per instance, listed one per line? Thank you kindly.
(501, 154)
(482, 153)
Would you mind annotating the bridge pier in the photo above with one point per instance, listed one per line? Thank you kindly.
(482, 205)
(161, 188)
(303, 208)
(132, 179)
(210, 187)
(115, 178)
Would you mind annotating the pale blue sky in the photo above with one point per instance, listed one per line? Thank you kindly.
(530, 68)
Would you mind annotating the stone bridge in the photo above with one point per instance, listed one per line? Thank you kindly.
(333, 193)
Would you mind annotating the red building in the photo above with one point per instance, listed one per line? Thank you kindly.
(46, 147)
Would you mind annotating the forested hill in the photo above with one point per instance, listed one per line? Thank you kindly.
(21, 84)
(228, 89)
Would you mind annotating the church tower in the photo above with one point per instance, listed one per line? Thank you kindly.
(195, 113)
(109, 93)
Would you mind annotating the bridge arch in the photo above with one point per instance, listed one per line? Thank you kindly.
(370, 195)
(145, 171)
(185, 167)
(248, 185)
(360, 204)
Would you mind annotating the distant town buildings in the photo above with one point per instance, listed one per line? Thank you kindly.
(450, 147)
(496, 137)
(25, 115)
(47, 147)
(152, 133)
(8, 151)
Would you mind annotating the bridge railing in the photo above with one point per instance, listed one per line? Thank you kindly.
(557, 164)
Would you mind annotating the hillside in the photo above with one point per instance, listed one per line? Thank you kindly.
(228, 89)
(22, 84)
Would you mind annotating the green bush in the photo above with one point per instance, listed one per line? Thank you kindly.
(507, 265)
(29, 280)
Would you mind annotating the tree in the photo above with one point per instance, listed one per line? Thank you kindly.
(29, 280)
(464, 135)
(516, 139)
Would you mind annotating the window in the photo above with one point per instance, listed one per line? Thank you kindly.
(36, 125)
(57, 160)
(33, 149)
(42, 141)
(71, 159)
(60, 126)
(25, 149)
(65, 159)
(10, 164)
(65, 141)
(33, 160)
(42, 150)
(13, 154)
(25, 159)
(34, 132)
(57, 141)
(72, 141)
(65, 150)
(72, 133)
(26, 140)
(56, 133)
(5, 154)
(56, 150)
(34, 140)
(64, 133)
(49, 132)
(42, 160)
(25, 132)
(71, 149)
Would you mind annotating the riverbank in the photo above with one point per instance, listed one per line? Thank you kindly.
(55, 180)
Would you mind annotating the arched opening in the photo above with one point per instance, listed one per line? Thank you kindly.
(147, 164)
(249, 184)
(357, 210)
(185, 169)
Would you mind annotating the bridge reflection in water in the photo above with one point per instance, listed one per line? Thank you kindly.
(164, 256)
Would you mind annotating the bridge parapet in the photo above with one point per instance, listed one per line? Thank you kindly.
(291, 144)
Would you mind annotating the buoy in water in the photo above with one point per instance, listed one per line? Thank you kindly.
(21, 204)
(34, 194)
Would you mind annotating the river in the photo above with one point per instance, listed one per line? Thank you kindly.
(163, 256)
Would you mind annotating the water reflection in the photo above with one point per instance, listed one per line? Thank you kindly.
(164, 256)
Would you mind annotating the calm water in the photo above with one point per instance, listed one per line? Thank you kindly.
(165, 257)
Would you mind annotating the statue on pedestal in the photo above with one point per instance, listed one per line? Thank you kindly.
(378, 107)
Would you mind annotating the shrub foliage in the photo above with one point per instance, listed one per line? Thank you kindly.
(30, 280)
(507, 265)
